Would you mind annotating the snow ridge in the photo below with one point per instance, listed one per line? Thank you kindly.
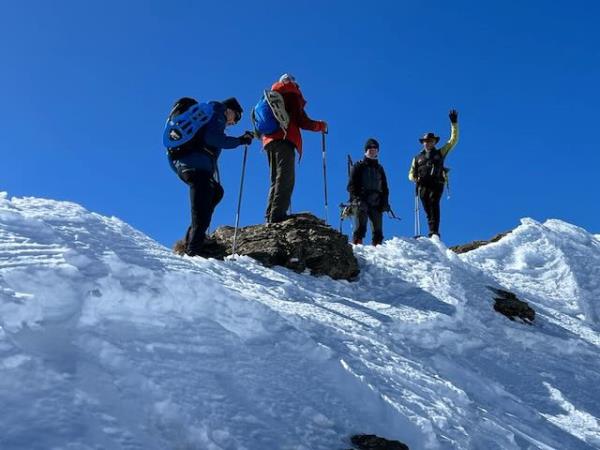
(108, 340)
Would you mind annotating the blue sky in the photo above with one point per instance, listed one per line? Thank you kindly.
(86, 86)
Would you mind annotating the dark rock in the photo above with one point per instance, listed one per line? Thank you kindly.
(372, 442)
(476, 244)
(509, 305)
(301, 242)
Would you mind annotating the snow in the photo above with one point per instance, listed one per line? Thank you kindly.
(108, 340)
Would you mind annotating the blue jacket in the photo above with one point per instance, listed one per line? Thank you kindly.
(205, 148)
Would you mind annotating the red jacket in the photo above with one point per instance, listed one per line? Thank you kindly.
(294, 105)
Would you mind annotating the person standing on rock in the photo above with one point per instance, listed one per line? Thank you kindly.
(195, 162)
(280, 148)
(369, 194)
(427, 171)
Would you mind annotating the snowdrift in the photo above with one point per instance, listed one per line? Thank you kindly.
(109, 341)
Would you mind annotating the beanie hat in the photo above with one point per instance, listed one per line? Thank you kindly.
(233, 104)
(371, 143)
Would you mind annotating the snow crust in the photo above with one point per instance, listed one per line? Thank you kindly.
(109, 341)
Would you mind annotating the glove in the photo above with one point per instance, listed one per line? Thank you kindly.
(386, 208)
(324, 128)
(453, 115)
(246, 138)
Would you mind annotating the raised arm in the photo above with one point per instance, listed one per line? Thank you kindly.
(453, 115)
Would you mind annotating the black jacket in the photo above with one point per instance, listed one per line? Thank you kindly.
(428, 167)
(368, 183)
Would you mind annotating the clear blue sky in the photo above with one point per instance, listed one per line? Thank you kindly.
(85, 88)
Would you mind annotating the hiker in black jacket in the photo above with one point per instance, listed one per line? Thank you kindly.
(427, 170)
(369, 194)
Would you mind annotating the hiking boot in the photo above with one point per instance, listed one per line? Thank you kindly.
(357, 241)
(377, 239)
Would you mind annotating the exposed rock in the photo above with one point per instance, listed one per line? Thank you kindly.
(301, 242)
(464, 248)
(372, 442)
(509, 305)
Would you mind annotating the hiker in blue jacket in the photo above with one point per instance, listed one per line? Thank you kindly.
(196, 163)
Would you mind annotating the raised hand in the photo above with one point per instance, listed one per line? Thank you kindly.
(453, 115)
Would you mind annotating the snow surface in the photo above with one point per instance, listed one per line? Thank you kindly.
(109, 341)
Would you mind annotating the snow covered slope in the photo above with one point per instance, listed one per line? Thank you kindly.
(109, 341)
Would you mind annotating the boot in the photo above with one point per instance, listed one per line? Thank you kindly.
(357, 241)
(377, 239)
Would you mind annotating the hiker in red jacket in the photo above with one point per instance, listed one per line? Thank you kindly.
(280, 148)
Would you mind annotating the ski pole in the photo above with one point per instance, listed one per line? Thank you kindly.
(392, 215)
(417, 221)
(324, 174)
(237, 216)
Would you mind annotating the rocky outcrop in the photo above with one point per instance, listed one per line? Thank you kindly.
(510, 306)
(372, 442)
(464, 248)
(302, 242)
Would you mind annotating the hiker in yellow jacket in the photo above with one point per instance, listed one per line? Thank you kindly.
(428, 172)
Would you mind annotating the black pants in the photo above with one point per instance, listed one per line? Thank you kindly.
(430, 196)
(205, 194)
(363, 213)
(282, 161)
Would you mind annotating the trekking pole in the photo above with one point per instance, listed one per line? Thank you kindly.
(324, 174)
(417, 221)
(392, 215)
(237, 216)
(342, 215)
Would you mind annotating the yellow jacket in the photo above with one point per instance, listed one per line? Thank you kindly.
(444, 150)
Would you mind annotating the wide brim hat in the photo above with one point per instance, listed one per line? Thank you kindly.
(429, 136)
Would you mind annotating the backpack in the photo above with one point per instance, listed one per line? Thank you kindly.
(429, 167)
(187, 117)
(269, 114)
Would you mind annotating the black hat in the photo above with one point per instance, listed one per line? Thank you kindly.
(429, 136)
(371, 143)
(233, 104)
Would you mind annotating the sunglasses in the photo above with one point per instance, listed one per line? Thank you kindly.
(372, 147)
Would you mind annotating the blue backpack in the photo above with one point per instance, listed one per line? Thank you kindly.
(181, 128)
(269, 114)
